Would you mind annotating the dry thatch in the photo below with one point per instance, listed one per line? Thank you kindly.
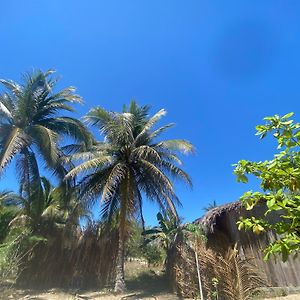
(86, 259)
(228, 277)
(222, 232)
(223, 237)
(209, 220)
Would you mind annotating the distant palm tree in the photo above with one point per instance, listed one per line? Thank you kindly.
(210, 206)
(31, 124)
(129, 164)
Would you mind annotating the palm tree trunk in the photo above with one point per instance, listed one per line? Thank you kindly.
(120, 280)
(120, 285)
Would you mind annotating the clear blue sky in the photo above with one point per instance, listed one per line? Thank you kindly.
(218, 67)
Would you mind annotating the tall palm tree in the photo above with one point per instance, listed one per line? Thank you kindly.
(31, 125)
(130, 163)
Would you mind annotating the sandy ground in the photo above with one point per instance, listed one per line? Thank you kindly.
(290, 297)
(91, 296)
(142, 284)
(59, 295)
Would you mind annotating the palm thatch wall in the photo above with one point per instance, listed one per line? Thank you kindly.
(79, 259)
(221, 229)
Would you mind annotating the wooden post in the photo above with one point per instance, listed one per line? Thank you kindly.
(198, 274)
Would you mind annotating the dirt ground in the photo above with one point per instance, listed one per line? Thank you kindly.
(290, 297)
(142, 284)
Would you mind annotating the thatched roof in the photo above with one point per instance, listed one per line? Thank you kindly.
(209, 220)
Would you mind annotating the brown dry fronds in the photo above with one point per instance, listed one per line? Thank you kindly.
(236, 278)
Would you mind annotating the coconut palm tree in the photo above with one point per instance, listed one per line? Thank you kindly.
(55, 208)
(129, 164)
(31, 125)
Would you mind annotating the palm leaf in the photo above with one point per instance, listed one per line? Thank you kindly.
(176, 145)
(14, 141)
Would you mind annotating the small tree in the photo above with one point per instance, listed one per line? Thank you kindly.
(165, 234)
(280, 184)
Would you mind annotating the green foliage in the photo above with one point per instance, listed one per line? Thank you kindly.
(164, 234)
(215, 284)
(31, 124)
(154, 254)
(280, 184)
(194, 234)
(18, 243)
(7, 214)
(131, 162)
(135, 241)
(8, 211)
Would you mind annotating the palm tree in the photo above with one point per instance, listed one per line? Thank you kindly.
(55, 208)
(128, 165)
(31, 124)
(210, 206)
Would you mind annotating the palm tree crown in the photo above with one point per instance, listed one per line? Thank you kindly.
(130, 163)
(31, 124)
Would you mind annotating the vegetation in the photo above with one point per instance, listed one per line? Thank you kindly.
(33, 132)
(280, 184)
(50, 224)
(8, 212)
(164, 234)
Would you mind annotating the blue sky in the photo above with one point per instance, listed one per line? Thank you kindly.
(217, 67)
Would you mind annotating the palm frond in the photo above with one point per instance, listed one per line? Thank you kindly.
(15, 88)
(160, 130)
(67, 126)
(4, 111)
(12, 143)
(177, 145)
(89, 164)
(98, 116)
(118, 173)
(46, 141)
(176, 172)
(151, 122)
(146, 152)
(157, 173)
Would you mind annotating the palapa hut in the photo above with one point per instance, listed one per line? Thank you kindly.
(222, 232)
